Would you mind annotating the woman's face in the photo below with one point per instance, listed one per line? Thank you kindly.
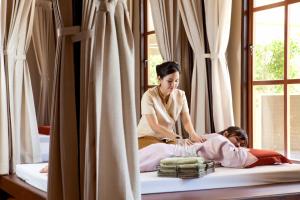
(237, 141)
(169, 83)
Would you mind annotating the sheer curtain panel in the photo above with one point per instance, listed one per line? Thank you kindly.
(87, 138)
(63, 177)
(191, 14)
(111, 104)
(166, 23)
(218, 18)
(25, 141)
(4, 137)
(44, 48)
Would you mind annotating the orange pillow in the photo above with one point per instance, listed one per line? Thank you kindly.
(267, 157)
(45, 130)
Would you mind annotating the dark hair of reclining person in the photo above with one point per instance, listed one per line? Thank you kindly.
(236, 135)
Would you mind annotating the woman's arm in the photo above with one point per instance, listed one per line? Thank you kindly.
(188, 126)
(160, 130)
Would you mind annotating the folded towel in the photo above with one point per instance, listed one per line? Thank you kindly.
(167, 175)
(185, 167)
(182, 160)
(196, 166)
(168, 166)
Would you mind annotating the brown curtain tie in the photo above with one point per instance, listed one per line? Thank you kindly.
(75, 32)
(17, 56)
(83, 35)
(212, 55)
(68, 31)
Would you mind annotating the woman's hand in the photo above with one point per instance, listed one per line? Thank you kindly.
(197, 138)
(182, 142)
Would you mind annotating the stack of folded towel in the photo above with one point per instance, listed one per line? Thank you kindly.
(185, 167)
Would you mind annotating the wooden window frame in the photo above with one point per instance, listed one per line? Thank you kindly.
(144, 46)
(247, 68)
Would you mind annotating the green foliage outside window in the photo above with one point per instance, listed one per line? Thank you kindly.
(153, 61)
(269, 62)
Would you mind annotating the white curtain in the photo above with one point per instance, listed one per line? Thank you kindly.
(44, 48)
(63, 177)
(25, 141)
(87, 138)
(111, 104)
(135, 15)
(218, 18)
(4, 141)
(191, 14)
(107, 149)
(166, 23)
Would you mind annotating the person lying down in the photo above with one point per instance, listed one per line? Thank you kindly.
(226, 147)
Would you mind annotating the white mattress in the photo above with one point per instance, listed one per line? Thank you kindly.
(44, 147)
(222, 178)
(30, 173)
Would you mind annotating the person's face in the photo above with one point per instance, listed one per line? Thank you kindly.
(169, 83)
(237, 141)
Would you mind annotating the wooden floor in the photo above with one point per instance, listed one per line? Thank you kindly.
(284, 191)
(11, 187)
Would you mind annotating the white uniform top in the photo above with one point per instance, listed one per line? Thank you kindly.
(167, 114)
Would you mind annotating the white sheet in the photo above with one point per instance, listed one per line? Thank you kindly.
(44, 146)
(30, 173)
(222, 178)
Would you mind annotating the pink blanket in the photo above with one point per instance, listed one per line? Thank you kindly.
(217, 148)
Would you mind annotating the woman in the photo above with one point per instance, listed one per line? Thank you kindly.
(161, 106)
(225, 147)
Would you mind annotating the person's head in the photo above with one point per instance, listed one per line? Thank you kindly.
(168, 76)
(236, 135)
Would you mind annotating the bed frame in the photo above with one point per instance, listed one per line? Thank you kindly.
(13, 188)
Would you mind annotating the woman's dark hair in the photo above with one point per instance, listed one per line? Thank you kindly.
(167, 68)
(236, 131)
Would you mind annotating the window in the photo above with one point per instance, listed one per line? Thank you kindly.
(274, 75)
(150, 51)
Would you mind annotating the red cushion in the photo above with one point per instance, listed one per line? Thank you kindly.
(267, 157)
(45, 130)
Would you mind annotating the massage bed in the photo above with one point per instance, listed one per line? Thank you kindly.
(12, 187)
(271, 191)
(222, 178)
(261, 182)
(225, 183)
